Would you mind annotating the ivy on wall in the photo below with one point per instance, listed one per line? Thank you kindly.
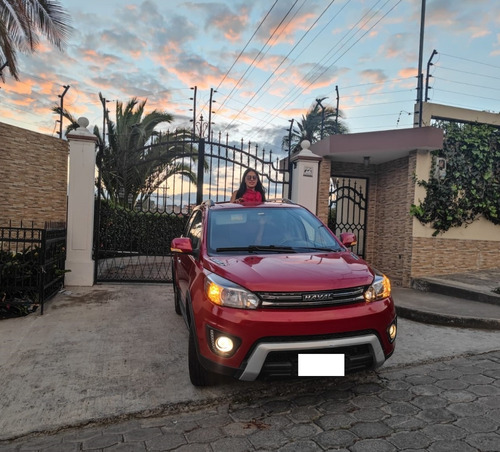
(470, 187)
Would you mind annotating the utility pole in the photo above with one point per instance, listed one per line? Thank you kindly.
(290, 165)
(212, 91)
(420, 74)
(66, 87)
(337, 113)
(290, 137)
(322, 113)
(429, 64)
(195, 89)
(105, 112)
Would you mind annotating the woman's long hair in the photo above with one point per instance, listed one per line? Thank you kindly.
(243, 187)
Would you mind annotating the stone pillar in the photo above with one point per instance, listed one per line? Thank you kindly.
(305, 177)
(80, 206)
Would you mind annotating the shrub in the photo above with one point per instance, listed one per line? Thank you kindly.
(124, 230)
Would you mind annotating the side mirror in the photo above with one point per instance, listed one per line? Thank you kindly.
(348, 239)
(181, 245)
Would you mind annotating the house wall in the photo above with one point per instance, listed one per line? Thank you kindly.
(398, 244)
(33, 177)
(472, 247)
(442, 256)
(392, 220)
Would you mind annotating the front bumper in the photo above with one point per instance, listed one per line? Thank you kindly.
(362, 352)
(272, 339)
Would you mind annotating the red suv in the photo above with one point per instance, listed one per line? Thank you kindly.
(261, 286)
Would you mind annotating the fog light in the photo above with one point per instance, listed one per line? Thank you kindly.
(224, 344)
(221, 343)
(392, 331)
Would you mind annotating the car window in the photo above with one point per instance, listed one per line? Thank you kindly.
(267, 227)
(194, 229)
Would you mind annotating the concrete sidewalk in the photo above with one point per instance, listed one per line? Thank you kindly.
(466, 300)
(112, 352)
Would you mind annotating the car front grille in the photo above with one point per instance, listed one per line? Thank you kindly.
(285, 364)
(312, 299)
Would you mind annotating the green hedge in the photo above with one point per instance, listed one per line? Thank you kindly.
(123, 230)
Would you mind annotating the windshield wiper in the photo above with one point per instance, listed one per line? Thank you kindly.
(257, 248)
(318, 248)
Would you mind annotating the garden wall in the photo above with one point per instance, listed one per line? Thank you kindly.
(33, 177)
(469, 248)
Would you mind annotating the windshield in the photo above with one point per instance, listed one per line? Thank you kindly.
(267, 230)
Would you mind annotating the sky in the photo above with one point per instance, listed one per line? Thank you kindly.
(267, 62)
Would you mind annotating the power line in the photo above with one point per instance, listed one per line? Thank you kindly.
(344, 88)
(308, 76)
(299, 91)
(470, 61)
(349, 48)
(246, 45)
(467, 95)
(466, 72)
(284, 59)
(259, 53)
(466, 84)
(297, 44)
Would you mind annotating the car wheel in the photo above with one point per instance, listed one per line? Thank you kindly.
(177, 295)
(198, 375)
(177, 300)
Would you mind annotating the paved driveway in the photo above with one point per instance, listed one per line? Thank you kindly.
(111, 351)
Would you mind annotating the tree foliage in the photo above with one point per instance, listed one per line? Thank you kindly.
(471, 186)
(20, 23)
(313, 125)
(136, 159)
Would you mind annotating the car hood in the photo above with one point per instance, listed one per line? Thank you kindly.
(293, 272)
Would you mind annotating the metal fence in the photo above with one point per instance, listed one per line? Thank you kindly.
(31, 265)
(140, 212)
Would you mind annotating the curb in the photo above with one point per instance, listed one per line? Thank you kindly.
(444, 287)
(447, 320)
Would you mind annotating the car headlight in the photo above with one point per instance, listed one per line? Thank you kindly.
(223, 292)
(380, 289)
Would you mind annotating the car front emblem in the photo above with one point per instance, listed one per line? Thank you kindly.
(318, 296)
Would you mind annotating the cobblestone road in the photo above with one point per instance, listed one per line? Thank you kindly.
(451, 405)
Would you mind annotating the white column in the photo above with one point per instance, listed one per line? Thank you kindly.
(305, 177)
(80, 206)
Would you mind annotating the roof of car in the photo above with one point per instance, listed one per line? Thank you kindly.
(232, 205)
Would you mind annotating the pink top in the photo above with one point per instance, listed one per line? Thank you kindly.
(252, 196)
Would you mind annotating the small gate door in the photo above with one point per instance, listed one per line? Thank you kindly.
(347, 213)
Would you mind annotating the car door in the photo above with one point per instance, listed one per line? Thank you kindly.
(185, 263)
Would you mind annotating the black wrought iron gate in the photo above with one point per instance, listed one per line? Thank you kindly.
(143, 199)
(348, 204)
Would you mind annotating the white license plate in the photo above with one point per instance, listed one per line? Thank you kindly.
(321, 365)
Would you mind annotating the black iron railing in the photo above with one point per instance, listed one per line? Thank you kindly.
(31, 265)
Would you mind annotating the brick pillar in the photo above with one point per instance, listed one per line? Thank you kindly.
(325, 169)
(80, 206)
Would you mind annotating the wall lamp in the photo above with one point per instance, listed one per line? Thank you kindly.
(366, 161)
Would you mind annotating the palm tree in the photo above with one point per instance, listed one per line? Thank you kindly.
(20, 20)
(315, 125)
(136, 159)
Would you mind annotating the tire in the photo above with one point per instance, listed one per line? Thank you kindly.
(177, 300)
(198, 375)
(177, 295)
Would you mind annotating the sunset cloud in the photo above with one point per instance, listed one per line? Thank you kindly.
(269, 61)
